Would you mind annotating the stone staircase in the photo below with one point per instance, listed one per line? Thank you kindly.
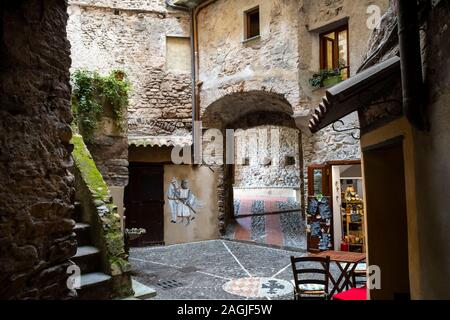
(95, 285)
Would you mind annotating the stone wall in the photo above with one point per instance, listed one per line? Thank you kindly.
(267, 150)
(432, 160)
(102, 216)
(36, 238)
(228, 64)
(136, 5)
(427, 173)
(131, 36)
(318, 17)
(282, 61)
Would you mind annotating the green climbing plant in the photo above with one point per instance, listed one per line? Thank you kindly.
(92, 92)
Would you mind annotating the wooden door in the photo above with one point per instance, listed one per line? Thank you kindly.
(144, 203)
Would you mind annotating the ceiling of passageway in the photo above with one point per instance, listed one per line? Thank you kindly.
(231, 108)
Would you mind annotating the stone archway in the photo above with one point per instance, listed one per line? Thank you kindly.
(245, 110)
(254, 106)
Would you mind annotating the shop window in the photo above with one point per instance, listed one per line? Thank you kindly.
(252, 23)
(178, 54)
(334, 51)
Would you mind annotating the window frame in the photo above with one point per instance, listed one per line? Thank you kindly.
(323, 47)
(247, 23)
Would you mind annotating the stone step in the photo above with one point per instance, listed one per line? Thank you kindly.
(88, 259)
(141, 291)
(95, 286)
(82, 230)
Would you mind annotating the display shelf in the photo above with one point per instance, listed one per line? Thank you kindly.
(353, 229)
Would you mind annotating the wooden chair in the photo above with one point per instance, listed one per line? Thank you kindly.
(359, 273)
(309, 287)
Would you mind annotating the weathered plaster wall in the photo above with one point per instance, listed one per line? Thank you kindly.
(131, 36)
(36, 238)
(266, 148)
(282, 60)
(227, 64)
(204, 184)
(137, 5)
(318, 17)
(205, 226)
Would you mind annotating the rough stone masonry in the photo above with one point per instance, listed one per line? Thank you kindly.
(36, 238)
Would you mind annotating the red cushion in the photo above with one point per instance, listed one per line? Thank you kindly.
(356, 294)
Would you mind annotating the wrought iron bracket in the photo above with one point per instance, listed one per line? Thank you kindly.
(354, 136)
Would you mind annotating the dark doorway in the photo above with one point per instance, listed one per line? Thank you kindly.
(144, 203)
(387, 231)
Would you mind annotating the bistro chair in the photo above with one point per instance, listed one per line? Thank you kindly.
(358, 276)
(311, 283)
(361, 274)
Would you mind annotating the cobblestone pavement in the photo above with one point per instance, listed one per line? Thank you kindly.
(206, 270)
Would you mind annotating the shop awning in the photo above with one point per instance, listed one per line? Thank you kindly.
(354, 93)
(160, 141)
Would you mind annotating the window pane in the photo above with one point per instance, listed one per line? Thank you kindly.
(328, 43)
(318, 182)
(329, 54)
(253, 24)
(334, 51)
(330, 36)
(343, 53)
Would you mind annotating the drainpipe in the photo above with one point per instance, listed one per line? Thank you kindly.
(198, 84)
(411, 63)
(193, 36)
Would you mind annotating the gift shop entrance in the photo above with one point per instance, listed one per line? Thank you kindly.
(335, 213)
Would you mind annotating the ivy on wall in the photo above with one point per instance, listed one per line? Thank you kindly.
(93, 92)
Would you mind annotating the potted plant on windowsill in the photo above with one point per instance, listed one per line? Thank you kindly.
(326, 78)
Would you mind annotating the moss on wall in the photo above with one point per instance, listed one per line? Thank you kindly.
(103, 217)
(89, 172)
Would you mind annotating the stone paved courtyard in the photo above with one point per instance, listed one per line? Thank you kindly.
(199, 271)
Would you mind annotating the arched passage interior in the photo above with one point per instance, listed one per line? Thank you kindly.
(261, 194)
